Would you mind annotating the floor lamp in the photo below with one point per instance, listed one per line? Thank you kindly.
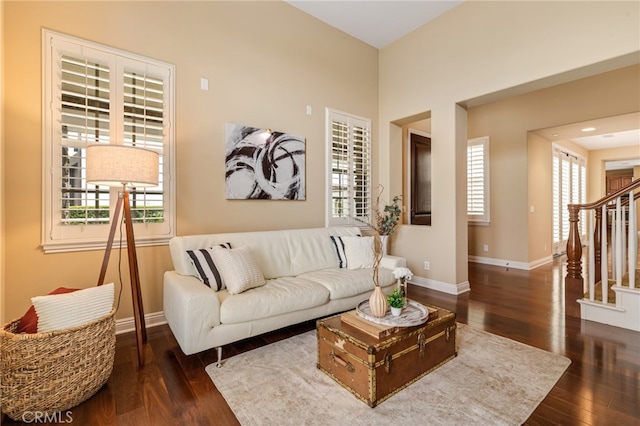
(124, 166)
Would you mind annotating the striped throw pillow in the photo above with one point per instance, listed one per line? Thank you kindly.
(339, 245)
(206, 269)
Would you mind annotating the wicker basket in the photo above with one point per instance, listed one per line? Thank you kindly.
(54, 371)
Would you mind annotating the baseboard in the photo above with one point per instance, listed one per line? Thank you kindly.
(441, 286)
(153, 319)
(511, 263)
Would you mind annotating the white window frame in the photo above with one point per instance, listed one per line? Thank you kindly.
(485, 217)
(60, 237)
(361, 221)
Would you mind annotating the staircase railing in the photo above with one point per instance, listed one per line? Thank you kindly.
(616, 210)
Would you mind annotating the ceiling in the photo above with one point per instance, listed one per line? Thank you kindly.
(379, 23)
(610, 132)
(376, 23)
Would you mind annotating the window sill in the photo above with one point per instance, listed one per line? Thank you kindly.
(63, 247)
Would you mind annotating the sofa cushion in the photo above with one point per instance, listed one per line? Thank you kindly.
(359, 252)
(277, 296)
(343, 283)
(238, 268)
(205, 267)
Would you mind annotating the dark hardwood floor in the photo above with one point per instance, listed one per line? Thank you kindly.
(600, 387)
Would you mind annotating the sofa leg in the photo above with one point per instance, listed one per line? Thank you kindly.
(219, 351)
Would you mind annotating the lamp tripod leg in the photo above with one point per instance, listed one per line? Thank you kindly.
(136, 294)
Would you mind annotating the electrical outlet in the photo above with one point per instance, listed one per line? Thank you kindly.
(427, 265)
(486, 247)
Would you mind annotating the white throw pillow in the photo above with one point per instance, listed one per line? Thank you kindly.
(238, 267)
(62, 311)
(359, 252)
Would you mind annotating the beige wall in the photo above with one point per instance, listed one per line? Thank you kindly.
(2, 269)
(476, 50)
(539, 190)
(265, 61)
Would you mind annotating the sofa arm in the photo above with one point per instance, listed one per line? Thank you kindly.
(392, 262)
(192, 310)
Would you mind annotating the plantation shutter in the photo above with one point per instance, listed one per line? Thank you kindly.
(350, 141)
(557, 226)
(85, 118)
(143, 128)
(569, 187)
(477, 179)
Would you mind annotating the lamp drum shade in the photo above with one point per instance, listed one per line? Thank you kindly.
(117, 165)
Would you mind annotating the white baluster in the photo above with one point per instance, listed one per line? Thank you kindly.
(623, 235)
(614, 247)
(618, 242)
(604, 268)
(633, 240)
(592, 257)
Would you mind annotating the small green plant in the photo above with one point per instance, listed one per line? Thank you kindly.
(396, 299)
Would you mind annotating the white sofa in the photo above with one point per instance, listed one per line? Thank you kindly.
(303, 282)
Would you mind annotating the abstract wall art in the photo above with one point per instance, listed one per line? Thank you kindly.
(262, 164)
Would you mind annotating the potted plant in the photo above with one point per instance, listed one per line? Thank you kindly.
(383, 223)
(396, 301)
(403, 275)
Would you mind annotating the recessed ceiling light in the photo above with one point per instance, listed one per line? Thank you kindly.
(555, 134)
(588, 129)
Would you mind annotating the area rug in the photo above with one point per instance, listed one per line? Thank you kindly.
(492, 381)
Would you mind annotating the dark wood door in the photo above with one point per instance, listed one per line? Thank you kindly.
(420, 179)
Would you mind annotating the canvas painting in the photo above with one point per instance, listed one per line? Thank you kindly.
(262, 164)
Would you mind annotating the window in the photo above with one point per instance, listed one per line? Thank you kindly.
(96, 94)
(349, 169)
(569, 187)
(478, 180)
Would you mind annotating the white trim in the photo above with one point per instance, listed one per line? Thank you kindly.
(125, 325)
(441, 286)
(511, 263)
(71, 246)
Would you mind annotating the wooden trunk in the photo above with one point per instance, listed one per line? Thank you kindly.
(374, 369)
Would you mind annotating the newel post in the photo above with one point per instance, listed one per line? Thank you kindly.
(573, 282)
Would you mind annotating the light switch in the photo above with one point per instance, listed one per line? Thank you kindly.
(204, 83)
